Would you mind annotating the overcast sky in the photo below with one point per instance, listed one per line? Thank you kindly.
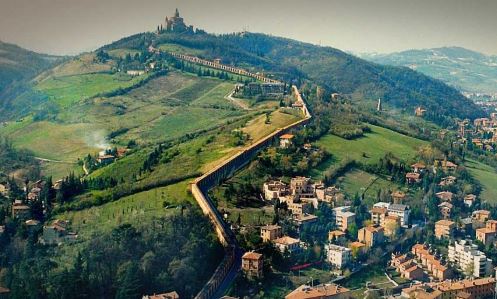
(73, 26)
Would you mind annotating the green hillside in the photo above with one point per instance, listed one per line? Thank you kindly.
(168, 121)
(464, 69)
(487, 176)
(373, 146)
(17, 64)
(331, 68)
(17, 67)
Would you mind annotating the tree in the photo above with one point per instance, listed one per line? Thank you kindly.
(352, 230)
(129, 283)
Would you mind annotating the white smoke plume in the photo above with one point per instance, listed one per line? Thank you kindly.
(97, 139)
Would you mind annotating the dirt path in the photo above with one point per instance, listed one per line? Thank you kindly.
(53, 161)
(236, 101)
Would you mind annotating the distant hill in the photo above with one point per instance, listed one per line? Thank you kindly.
(331, 68)
(18, 67)
(464, 69)
(288, 59)
(344, 73)
(18, 64)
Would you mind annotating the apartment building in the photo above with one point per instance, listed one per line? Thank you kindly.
(323, 291)
(481, 215)
(400, 210)
(343, 217)
(300, 185)
(407, 267)
(469, 259)
(299, 208)
(378, 215)
(444, 228)
(288, 244)
(270, 232)
(371, 235)
(338, 256)
(487, 234)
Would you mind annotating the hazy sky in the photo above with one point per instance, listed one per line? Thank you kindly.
(72, 26)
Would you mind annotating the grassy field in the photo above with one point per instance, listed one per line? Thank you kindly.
(197, 89)
(137, 209)
(251, 216)
(83, 64)
(258, 128)
(373, 146)
(487, 176)
(356, 181)
(372, 274)
(68, 90)
(215, 97)
(165, 108)
(180, 49)
(184, 120)
(55, 141)
(60, 170)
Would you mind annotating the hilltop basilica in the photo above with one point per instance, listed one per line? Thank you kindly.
(175, 24)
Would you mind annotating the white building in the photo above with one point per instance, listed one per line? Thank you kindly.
(338, 256)
(287, 243)
(343, 217)
(274, 190)
(381, 204)
(400, 210)
(469, 259)
(135, 72)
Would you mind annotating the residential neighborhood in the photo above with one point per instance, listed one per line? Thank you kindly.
(461, 232)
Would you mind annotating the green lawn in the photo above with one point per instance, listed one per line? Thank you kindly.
(487, 176)
(373, 146)
(197, 89)
(145, 112)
